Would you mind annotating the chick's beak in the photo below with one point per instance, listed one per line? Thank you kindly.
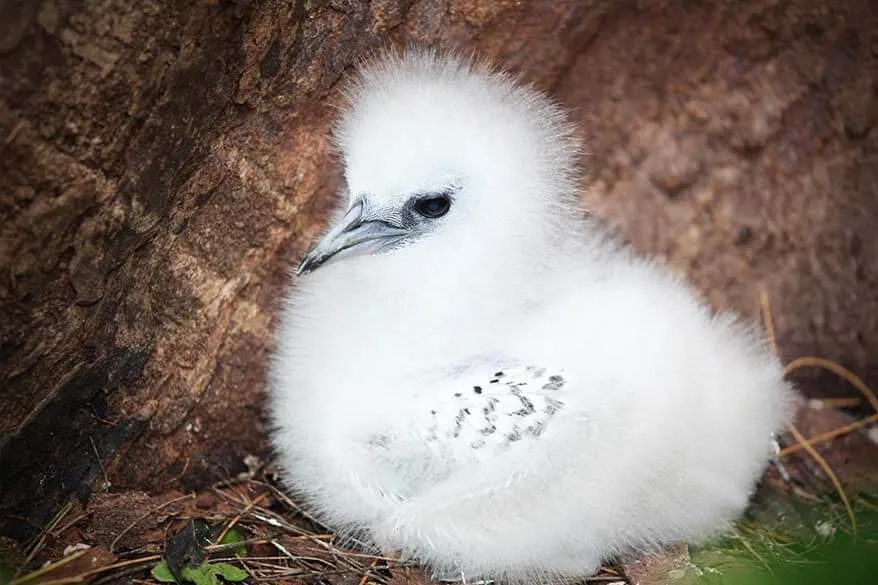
(353, 235)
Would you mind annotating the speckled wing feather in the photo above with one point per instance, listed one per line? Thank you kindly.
(470, 417)
(491, 413)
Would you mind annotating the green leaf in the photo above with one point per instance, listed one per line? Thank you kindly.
(229, 572)
(202, 575)
(161, 572)
(234, 536)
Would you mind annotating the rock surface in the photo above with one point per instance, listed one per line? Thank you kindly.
(163, 164)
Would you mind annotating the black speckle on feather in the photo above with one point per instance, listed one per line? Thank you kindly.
(379, 441)
(458, 423)
(537, 429)
(527, 407)
(552, 406)
(555, 383)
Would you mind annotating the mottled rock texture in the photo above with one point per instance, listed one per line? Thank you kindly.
(164, 163)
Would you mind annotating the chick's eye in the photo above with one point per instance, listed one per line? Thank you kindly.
(433, 207)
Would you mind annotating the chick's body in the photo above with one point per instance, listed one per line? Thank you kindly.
(503, 391)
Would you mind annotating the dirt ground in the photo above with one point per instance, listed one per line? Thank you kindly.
(122, 536)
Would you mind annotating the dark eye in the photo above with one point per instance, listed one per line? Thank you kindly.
(433, 207)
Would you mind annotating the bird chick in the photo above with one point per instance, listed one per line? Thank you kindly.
(472, 374)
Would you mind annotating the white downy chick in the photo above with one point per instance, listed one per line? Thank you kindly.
(470, 373)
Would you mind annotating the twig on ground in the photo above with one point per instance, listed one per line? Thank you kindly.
(46, 569)
(258, 499)
(41, 539)
(82, 577)
(829, 435)
(837, 369)
(826, 469)
(100, 461)
(832, 366)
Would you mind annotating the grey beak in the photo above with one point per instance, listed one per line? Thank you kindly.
(353, 235)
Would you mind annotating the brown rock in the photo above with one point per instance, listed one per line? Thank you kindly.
(163, 166)
(127, 520)
(673, 166)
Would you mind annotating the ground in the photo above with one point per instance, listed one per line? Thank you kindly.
(122, 537)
